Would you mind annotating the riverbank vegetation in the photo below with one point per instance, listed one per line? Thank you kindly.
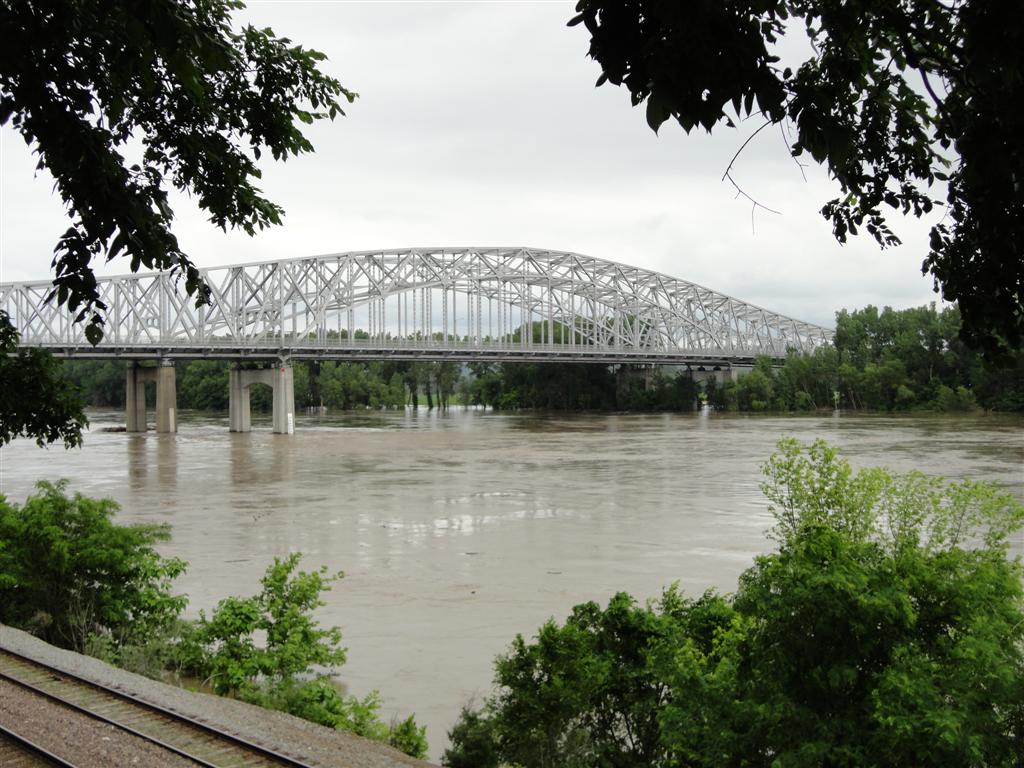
(887, 628)
(881, 360)
(72, 576)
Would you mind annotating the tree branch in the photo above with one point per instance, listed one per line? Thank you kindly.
(739, 190)
(743, 146)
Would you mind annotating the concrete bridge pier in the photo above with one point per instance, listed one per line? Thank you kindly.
(135, 398)
(166, 397)
(280, 379)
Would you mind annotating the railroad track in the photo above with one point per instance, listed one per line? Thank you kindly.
(18, 752)
(203, 744)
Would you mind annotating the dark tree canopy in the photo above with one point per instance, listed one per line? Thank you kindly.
(170, 83)
(899, 99)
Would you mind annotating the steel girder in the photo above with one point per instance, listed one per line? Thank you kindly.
(461, 303)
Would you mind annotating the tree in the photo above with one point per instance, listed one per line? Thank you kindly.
(291, 671)
(102, 382)
(69, 573)
(283, 614)
(896, 98)
(38, 401)
(447, 375)
(582, 694)
(886, 629)
(204, 385)
(169, 83)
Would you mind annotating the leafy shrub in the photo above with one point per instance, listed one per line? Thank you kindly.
(224, 647)
(474, 741)
(69, 574)
(959, 399)
(291, 671)
(408, 737)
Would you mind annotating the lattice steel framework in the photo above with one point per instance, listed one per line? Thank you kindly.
(456, 303)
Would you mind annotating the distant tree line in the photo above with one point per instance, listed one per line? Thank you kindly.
(881, 360)
(888, 360)
(578, 387)
(203, 384)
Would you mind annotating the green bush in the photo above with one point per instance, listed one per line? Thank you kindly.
(474, 742)
(72, 576)
(886, 630)
(291, 671)
(959, 399)
(408, 737)
(224, 647)
(319, 700)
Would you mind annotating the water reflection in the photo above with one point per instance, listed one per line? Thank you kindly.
(138, 465)
(166, 464)
(151, 461)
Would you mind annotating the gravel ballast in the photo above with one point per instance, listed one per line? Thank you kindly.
(280, 732)
(75, 737)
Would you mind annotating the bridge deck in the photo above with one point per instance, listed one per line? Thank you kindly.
(392, 349)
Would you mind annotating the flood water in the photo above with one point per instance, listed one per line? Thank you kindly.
(456, 531)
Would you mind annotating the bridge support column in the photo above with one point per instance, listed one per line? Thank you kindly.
(239, 419)
(281, 379)
(284, 399)
(135, 396)
(135, 400)
(166, 398)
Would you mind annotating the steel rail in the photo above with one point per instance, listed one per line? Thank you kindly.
(176, 718)
(104, 719)
(35, 750)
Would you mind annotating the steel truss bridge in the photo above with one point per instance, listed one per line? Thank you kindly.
(467, 304)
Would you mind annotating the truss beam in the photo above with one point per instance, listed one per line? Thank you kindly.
(421, 303)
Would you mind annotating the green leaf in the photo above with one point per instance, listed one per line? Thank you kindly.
(656, 113)
(94, 333)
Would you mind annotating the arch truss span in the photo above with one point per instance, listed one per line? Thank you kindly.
(457, 303)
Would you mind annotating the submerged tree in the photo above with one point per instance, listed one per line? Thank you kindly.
(897, 97)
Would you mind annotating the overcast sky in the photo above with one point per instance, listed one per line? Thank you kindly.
(478, 124)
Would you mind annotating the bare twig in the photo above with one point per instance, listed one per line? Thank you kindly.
(743, 146)
(754, 203)
(739, 190)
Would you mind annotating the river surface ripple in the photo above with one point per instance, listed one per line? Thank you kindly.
(456, 531)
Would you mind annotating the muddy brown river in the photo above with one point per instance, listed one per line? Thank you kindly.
(458, 530)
